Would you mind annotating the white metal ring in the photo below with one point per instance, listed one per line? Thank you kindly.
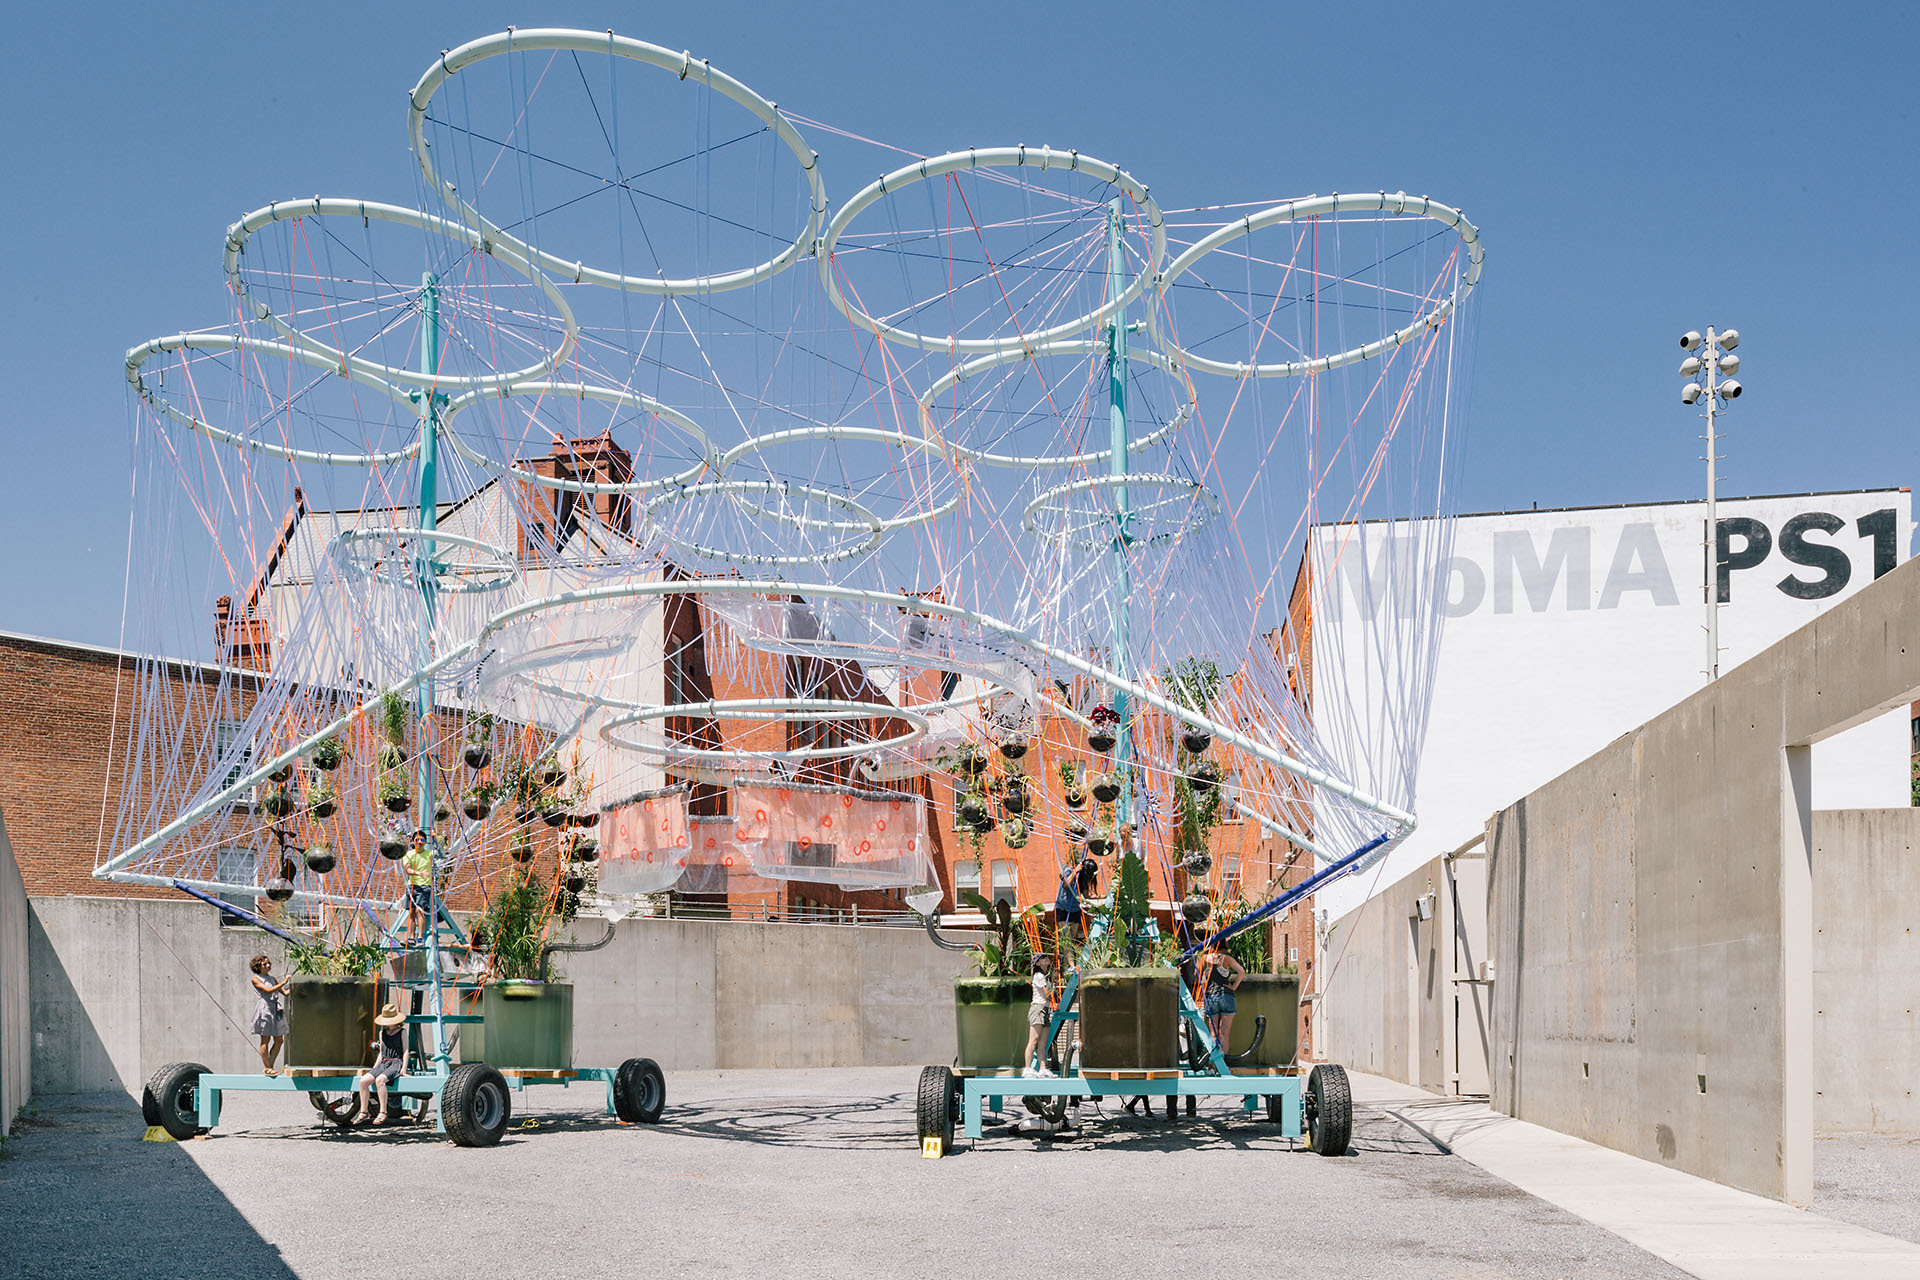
(582, 391)
(765, 708)
(500, 565)
(868, 525)
(1186, 493)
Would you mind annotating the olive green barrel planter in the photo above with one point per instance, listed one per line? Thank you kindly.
(1275, 997)
(330, 1021)
(526, 1026)
(990, 1015)
(1129, 1019)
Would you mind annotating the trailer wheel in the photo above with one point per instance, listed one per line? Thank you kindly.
(1276, 1109)
(1329, 1103)
(475, 1105)
(172, 1099)
(934, 1109)
(639, 1091)
(343, 1110)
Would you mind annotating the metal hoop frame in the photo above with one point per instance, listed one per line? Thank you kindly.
(505, 564)
(765, 708)
(1397, 203)
(1030, 519)
(1043, 158)
(683, 65)
(582, 391)
(869, 524)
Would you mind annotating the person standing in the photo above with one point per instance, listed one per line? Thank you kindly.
(1039, 1017)
(269, 1015)
(1223, 975)
(417, 865)
(1075, 884)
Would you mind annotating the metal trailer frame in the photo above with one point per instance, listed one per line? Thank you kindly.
(425, 1086)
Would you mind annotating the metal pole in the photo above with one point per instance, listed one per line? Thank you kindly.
(1713, 524)
(426, 572)
(1123, 511)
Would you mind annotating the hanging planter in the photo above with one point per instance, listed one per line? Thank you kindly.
(1014, 798)
(556, 817)
(278, 803)
(1106, 788)
(1204, 777)
(973, 810)
(282, 774)
(1099, 842)
(1014, 748)
(279, 889)
(326, 754)
(1015, 832)
(971, 762)
(585, 818)
(586, 849)
(551, 774)
(1102, 740)
(441, 813)
(1076, 799)
(1198, 862)
(391, 845)
(1077, 831)
(521, 850)
(320, 859)
(399, 802)
(321, 802)
(1196, 740)
(1196, 907)
(476, 804)
(477, 756)
(575, 882)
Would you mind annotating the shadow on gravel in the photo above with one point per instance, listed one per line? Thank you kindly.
(81, 1195)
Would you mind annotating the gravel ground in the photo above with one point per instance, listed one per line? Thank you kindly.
(760, 1173)
(1871, 1180)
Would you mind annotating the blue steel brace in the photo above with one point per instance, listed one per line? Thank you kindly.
(1288, 897)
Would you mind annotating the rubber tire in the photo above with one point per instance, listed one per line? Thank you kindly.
(639, 1091)
(166, 1090)
(1329, 1109)
(475, 1105)
(342, 1111)
(934, 1108)
(1276, 1109)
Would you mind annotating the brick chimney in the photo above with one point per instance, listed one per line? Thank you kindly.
(244, 641)
(551, 516)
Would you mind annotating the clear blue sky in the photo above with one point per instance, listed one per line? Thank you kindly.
(1637, 171)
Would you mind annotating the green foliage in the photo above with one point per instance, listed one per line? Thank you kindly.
(1069, 775)
(480, 729)
(320, 794)
(1916, 780)
(393, 785)
(352, 960)
(393, 718)
(1253, 948)
(514, 926)
(391, 758)
(1005, 952)
(1193, 682)
(1126, 939)
(327, 753)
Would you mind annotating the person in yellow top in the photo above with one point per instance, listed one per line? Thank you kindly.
(417, 864)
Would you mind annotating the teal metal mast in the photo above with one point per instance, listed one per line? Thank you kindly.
(1123, 510)
(426, 573)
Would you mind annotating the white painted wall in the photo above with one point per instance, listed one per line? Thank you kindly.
(1566, 629)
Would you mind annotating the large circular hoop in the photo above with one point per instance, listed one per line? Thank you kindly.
(681, 64)
(1397, 203)
(834, 431)
(499, 564)
(1014, 355)
(918, 726)
(991, 158)
(865, 522)
(138, 357)
(1184, 493)
(506, 249)
(584, 391)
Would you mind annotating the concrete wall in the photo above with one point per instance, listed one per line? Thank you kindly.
(1651, 910)
(1403, 1001)
(1866, 971)
(122, 986)
(16, 1026)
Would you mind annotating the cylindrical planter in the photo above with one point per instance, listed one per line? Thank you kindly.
(330, 1021)
(1276, 996)
(1130, 1019)
(526, 1026)
(990, 1015)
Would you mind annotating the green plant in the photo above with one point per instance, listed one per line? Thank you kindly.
(1004, 952)
(393, 786)
(327, 753)
(321, 799)
(514, 925)
(350, 960)
(393, 718)
(278, 803)
(1253, 947)
(1069, 775)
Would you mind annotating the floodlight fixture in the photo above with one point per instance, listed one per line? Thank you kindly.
(1689, 366)
(1730, 390)
(1730, 339)
(1690, 393)
(1728, 365)
(1690, 339)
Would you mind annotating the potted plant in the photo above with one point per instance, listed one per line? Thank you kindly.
(1075, 795)
(1076, 831)
(1101, 738)
(1197, 863)
(1013, 795)
(1014, 748)
(1014, 833)
(320, 858)
(526, 1012)
(1196, 741)
(326, 754)
(279, 889)
(478, 751)
(394, 793)
(478, 801)
(971, 811)
(1100, 840)
(1129, 1005)
(277, 803)
(520, 848)
(584, 849)
(990, 1006)
(282, 774)
(321, 801)
(391, 844)
(332, 995)
(1106, 787)
(1204, 776)
(1196, 907)
(549, 773)
(1261, 994)
(967, 761)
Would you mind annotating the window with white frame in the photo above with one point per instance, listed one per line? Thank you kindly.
(234, 866)
(1230, 877)
(966, 875)
(1006, 882)
(226, 738)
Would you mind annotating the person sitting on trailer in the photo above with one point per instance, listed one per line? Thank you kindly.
(1039, 1017)
(269, 1015)
(390, 1045)
(1075, 884)
(418, 866)
(1223, 974)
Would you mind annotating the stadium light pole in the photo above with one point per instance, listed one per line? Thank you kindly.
(1711, 354)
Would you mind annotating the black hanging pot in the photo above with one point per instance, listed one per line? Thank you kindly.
(1196, 741)
(521, 853)
(1097, 846)
(1203, 780)
(1106, 788)
(1014, 800)
(391, 846)
(281, 774)
(552, 775)
(476, 809)
(1014, 748)
(323, 808)
(399, 804)
(1077, 831)
(320, 859)
(441, 813)
(1198, 862)
(973, 810)
(1102, 740)
(525, 817)
(556, 817)
(1196, 907)
(1076, 799)
(974, 762)
(477, 757)
(278, 803)
(279, 890)
(587, 850)
(586, 818)
(576, 882)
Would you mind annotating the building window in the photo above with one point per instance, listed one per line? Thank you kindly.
(234, 866)
(226, 739)
(966, 875)
(814, 854)
(1229, 877)
(1006, 882)
(1293, 955)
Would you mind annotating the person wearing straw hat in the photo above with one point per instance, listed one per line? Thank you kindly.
(390, 1042)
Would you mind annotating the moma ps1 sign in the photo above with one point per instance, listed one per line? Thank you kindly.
(1565, 629)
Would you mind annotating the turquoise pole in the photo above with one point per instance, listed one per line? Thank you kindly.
(426, 572)
(1123, 511)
